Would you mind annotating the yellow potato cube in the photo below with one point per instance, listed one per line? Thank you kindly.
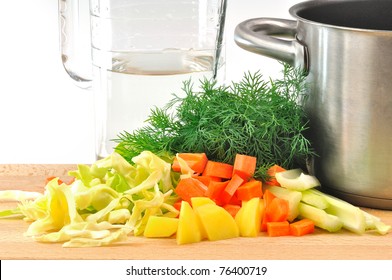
(217, 222)
(188, 230)
(158, 226)
(249, 217)
(201, 200)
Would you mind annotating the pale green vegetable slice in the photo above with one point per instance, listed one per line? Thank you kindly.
(320, 218)
(292, 196)
(315, 200)
(295, 179)
(352, 217)
(375, 223)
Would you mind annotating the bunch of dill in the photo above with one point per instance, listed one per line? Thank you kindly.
(253, 117)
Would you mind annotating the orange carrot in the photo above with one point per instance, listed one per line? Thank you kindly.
(234, 200)
(249, 190)
(190, 187)
(268, 197)
(264, 223)
(218, 169)
(215, 190)
(231, 188)
(277, 210)
(244, 166)
(50, 178)
(196, 161)
(206, 180)
(278, 228)
(232, 209)
(302, 227)
(177, 204)
(272, 172)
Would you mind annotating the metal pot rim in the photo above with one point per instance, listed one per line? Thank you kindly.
(297, 8)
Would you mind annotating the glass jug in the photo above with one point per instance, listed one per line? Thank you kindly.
(135, 54)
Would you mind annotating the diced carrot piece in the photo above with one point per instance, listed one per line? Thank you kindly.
(190, 187)
(302, 227)
(249, 190)
(277, 210)
(278, 228)
(218, 169)
(215, 190)
(268, 197)
(177, 204)
(232, 209)
(264, 223)
(206, 180)
(244, 166)
(234, 200)
(231, 188)
(272, 172)
(196, 161)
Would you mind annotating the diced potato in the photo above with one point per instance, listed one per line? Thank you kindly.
(198, 201)
(188, 230)
(159, 226)
(248, 218)
(201, 200)
(217, 222)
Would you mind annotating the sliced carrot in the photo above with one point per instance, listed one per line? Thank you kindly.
(278, 228)
(196, 161)
(249, 190)
(244, 166)
(268, 197)
(277, 210)
(231, 188)
(177, 204)
(302, 227)
(215, 190)
(206, 180)
(234, 200)
(272, 172)
(190, 187)
(264, 223)
(218, 169)
(232, 209)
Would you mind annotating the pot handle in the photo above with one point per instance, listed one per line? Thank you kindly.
(265, 36)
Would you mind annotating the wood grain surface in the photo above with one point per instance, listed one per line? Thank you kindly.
(318, 246)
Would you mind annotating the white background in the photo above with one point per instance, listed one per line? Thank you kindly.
(44, 117)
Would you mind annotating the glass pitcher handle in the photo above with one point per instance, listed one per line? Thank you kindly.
(75, 40)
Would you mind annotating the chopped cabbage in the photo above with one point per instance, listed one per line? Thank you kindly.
(108, 200)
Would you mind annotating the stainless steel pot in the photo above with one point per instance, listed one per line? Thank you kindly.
(346, 47)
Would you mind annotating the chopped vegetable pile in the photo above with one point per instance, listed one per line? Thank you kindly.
(191, 198)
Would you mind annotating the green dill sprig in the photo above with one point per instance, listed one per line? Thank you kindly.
(256, 117)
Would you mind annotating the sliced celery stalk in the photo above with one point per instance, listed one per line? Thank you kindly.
(320, 218)
(375, 223)
(295, 179)
(352, 217)
(293, 197)
(314, 199)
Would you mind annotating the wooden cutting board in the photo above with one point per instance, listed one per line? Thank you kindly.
(320, 245)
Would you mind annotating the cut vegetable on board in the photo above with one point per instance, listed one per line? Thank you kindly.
(152, 198)
(221, 163)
